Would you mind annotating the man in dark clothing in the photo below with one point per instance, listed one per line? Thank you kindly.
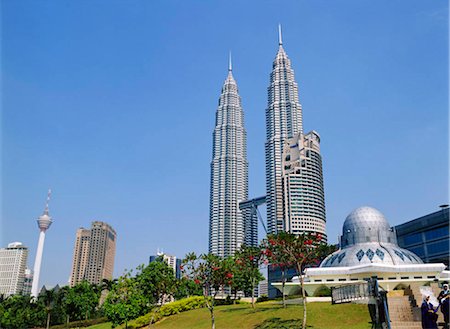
(444, 301)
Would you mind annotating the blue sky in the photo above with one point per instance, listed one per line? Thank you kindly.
(112, 104)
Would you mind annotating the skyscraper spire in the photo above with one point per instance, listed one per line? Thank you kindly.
(283, 121)
(229, 172)
(44, 222)
(230, 65)
(280, 37)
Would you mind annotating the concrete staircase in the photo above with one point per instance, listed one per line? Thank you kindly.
(401, 313)
(404, 307)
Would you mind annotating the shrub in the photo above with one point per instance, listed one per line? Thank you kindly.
(178, 306)
(262, 298)
(80, 323)
(322, 291)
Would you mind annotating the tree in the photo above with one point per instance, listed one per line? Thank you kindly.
(186, 288)
(81, 301)
(17, 312)
(125, 301)
(248, 260)
(277, 259)
(210, 272)
(299, 250)
(48, 298)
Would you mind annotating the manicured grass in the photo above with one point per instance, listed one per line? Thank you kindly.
(268, 316)
(272, 316)
(106, 325)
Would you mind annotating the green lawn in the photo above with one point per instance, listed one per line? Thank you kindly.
(268, 316)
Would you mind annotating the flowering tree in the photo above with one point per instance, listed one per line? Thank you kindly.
(210, 272)
(248, 260)
(300, 251)
(271, 248)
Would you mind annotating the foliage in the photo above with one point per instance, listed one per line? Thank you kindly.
(81, 323)
(156, 281)
(19, 312)
(176, 307)
(299, 250)
(125, 301)
(81, 301)
(322, 291)
(262, 298)
(186, 288)
(210, 272)
(248, 261)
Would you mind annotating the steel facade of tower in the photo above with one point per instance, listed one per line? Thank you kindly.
(229, 173)
(283, 121)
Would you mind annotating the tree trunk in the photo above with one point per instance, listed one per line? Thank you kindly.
(48, 320)
(213, 320)
(253, 292)
(67, 321)
(283, 281)
(304, 300)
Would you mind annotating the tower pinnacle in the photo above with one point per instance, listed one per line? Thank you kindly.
(230, 65)
(49, 194)
(280, 37)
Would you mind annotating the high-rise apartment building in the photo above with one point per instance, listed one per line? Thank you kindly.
(94, 251)
(28, 282)
(292, 201)
(303, 194)
(13, 262)
(229, 173)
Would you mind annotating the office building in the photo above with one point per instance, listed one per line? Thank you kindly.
(303, 194)
(229, 173)
(94, 252)
(173, 262)
(13, 262)
(427, 236)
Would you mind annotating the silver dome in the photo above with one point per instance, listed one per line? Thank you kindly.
(368, 238)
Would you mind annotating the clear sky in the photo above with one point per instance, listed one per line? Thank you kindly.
(112, 105)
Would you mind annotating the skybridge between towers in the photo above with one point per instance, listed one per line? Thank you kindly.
(251, 214)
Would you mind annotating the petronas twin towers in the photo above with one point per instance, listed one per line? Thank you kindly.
(229, 166)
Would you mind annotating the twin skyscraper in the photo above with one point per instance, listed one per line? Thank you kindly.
(294, 180)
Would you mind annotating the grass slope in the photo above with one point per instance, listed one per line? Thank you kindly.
(268, 316)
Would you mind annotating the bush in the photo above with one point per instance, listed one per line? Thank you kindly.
(322, 291)
(80, 323)
(178, 306)
(262, 298)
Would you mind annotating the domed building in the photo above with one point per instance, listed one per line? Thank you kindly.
(368, 247)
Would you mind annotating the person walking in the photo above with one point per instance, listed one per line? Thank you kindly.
(444, 301)
(429, 316)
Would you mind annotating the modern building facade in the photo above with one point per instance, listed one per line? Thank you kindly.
(28, 282)
(44, 222)
(303, 194)
(427, 237)
(229, 173)
(94, 252)
(172, 261)
(13, 262)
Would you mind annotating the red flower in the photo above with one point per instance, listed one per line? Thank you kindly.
(251, 258)
(197, 281)
(229, 275)
(181, 267)
(308, 242)
(215, 268)
(272, 242)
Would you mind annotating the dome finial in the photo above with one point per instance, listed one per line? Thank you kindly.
(280, 37)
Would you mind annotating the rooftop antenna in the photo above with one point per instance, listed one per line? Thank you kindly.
(49, 194)
(280, 37)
